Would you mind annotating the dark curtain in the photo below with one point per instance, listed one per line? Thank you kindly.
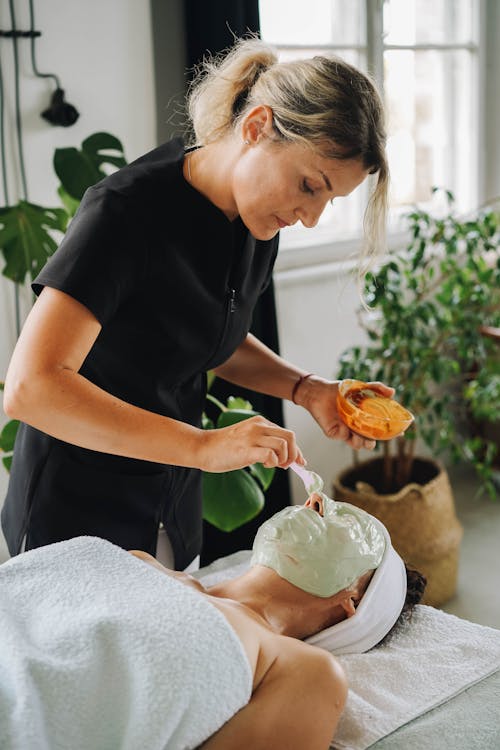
(211, 27)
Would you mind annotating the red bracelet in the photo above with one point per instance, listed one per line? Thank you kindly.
(297, 384)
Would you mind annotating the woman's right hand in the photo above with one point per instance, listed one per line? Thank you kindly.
(254, 440)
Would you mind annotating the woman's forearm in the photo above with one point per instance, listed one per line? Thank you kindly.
(69, 407)
(45, 389)
(253, 365)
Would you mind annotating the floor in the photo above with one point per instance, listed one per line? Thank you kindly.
(478, 591)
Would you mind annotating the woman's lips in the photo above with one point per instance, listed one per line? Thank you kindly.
(281, 223)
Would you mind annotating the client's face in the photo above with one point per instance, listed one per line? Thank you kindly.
(322, 547)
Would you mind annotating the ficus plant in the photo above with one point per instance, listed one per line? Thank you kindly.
(29, 234)
(427, 307)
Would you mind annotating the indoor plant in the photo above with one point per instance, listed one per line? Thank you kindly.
(427, 306)
(27, 241)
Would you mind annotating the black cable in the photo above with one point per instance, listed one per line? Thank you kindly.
(6, 191)
(59, 112)
(33, 36)
(2, 139)
(18, 103)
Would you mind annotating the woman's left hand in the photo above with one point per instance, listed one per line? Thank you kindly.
(319, 397)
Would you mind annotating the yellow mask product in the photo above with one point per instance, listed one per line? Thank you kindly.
(320, 554)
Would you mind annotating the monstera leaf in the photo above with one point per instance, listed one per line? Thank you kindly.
(70, 204)
(78, 170)
(232, 498)
(26, 239)
(7, 440)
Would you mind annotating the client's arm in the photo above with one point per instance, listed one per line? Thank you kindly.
(297, 705)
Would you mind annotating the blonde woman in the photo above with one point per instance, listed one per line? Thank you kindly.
(155, 282)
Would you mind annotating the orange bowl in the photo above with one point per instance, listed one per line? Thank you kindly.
(370, 414)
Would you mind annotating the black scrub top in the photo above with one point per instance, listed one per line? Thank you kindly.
(173, 283)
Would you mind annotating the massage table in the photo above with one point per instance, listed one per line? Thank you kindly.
(469, 721)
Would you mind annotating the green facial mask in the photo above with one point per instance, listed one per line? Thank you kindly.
(320, 554)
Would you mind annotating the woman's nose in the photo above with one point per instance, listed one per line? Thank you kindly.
(310, 215)
(315, 502)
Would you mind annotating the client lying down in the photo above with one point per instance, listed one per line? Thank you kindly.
(99, 650)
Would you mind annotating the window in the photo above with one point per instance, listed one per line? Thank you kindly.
(424, 55)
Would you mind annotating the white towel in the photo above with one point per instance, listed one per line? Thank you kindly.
(98, 650)
(424, 663)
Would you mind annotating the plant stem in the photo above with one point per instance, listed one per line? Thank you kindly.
(387, 466)
(216, 402)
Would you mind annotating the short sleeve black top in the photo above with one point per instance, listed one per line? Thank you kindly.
(173, 283)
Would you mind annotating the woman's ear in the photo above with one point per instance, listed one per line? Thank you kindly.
(352, 595)
(347, 605)
(257, 124)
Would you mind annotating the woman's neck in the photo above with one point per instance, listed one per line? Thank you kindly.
(209, 170)
(282, 607)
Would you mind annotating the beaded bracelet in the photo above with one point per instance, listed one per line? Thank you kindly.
(297, 384)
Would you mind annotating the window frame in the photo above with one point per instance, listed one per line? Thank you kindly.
(298, 251)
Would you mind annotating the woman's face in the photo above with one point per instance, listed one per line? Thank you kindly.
(276, 184)
(321, 550)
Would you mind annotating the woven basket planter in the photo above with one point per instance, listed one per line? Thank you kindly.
(420, 518)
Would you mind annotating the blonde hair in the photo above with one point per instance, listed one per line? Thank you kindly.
(322, 102)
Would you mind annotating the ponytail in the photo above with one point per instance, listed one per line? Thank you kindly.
(220, 89)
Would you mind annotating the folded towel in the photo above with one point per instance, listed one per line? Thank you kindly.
(99, 650)
(424, 662)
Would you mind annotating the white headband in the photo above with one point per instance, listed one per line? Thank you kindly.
(376, 613)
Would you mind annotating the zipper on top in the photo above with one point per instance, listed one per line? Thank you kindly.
(232, 300)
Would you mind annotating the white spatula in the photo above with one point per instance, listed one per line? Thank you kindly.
(312, 481)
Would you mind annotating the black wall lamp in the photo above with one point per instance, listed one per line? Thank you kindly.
(59, 111)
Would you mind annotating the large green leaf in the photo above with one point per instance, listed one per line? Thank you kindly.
(69, 203)
(237, 402)
(232, 416)
(230, 499)
(78, 170)
(7, 438)
(265, 476)
(8, 435)
(26, 239)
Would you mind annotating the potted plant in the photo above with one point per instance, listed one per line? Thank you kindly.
(428, 306)
(27, 241)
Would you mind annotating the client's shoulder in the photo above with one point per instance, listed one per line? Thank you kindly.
(272, 655)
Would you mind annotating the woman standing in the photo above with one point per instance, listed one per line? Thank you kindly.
(155, 282)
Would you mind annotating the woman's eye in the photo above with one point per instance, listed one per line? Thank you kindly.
(306, 188)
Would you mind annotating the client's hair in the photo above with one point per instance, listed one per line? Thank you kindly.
(416, 583)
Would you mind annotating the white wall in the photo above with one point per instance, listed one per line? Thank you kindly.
(317, 321)
(101, 50)
(490, 104)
